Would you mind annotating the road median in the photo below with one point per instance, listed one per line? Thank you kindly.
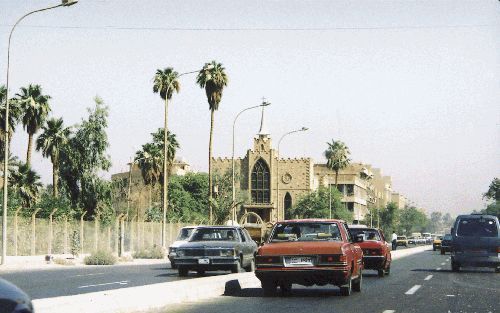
(157, 296)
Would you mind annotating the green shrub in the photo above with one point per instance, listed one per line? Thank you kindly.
(154, 252)
(62, 261)
(101, 257)
(126, 258)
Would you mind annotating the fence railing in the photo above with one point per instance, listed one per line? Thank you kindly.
(36, 236)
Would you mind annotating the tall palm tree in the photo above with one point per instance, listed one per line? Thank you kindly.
(26, 183)
(34, 110)
(213, 78)
(165, 83)
(13, 119)
(337, 157)
(50, 142)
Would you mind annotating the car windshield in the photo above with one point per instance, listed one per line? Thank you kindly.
(447, 237)
(477, 227)
(401, 238)
(185, 233)
(369, 234)
(214, 234)
(322, 231)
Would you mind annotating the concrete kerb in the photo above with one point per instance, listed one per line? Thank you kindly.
(163, 295)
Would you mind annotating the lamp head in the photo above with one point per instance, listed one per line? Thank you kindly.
(67, 3)
(304, 129)
(265, 104)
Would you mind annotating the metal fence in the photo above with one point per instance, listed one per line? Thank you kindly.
(36, 236)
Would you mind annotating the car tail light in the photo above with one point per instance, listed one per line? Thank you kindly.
(498, 249)
(267, 259)
(330, 258)
(343, 258)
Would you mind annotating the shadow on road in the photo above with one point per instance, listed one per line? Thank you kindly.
(470, 270)
(233, 289)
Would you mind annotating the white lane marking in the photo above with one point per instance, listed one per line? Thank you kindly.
(82, 275)
(389, 311)
(438, 269)
(428, 277)
(450, 295)
(123, 282)
(443, 263)
(413, 289)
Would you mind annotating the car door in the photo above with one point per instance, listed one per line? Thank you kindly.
(356, 250)
(246, 248)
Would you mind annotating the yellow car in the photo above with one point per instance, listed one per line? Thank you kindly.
(436, 244)
(402, 241)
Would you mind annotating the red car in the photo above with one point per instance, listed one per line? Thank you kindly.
(376, 252)
(310, 252)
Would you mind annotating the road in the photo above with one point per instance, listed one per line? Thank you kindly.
(419, 283)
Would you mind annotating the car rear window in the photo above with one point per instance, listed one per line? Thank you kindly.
(369, 234)
(306, 232)
(214, 234)
(477, 227)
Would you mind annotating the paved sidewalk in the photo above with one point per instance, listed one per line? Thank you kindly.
(37, 262)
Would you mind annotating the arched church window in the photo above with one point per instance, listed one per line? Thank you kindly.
(260, 183)
(287, 201)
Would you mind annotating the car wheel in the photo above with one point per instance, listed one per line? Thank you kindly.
(455, 267)
(173, 265)
(388, 270)
(381, 273)
(251, 267)
(237, 267)
(497, 270)
(356, 284)
(200, 272)
(442, 251)
(433, 248)
(183, 271)
(346, 289)
(286, 288)
(269, 288)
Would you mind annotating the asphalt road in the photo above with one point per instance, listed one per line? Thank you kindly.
(419, 283)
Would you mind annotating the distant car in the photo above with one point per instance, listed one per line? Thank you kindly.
(446, 244)
(402, 241)
(13, 299)
(183, 236)
(436, 244)
(310, 252)
(475, 242)
(376, 251)
(421, 241)
(412, 241)
(216, 248)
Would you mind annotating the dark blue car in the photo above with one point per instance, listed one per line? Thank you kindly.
(13, 299)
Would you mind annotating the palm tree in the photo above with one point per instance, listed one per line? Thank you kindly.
(35, 108)
(165, 83)
(26, 183)
(173, 145)
(13, 119)
(337, 156)
(50, 142)
(213, 78)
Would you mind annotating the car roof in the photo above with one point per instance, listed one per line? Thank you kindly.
(218, 226)
(311, 220)
(363, 228)
(476, 216)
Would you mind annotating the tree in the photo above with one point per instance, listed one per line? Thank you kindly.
(412, 219)
(26, 183)
(316, 205)
(337, 157)
(493, 194)
(389, 217)
(81, 160)
(13, 119)
(34, 110)
(165, 83)
(50, 142)
(213, 78)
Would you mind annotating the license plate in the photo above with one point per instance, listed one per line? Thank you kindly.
(203, 261)
(300, 261)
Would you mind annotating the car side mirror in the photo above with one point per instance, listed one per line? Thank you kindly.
(359, 238)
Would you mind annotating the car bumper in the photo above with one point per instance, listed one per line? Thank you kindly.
(374, 262)
(446, 248)
(305, 276)
(476, 260)
(215, 263)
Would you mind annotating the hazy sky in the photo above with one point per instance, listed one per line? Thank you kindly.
(412, 87)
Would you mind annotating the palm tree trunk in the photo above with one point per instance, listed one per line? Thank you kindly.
(165, 175)
(28, 153)
(210, 165)
(336, 179)
(55, 175)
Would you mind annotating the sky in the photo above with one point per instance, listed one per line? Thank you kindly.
(412, 87)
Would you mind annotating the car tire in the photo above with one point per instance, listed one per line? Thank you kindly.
(433, 248)
(388, 270)
(173, 265)
(455, 267)
(183, 271)
(381, 273)
(358, 282)
(286, 288)
(497, 270)
(442, 251)
(251, 267)
(269, 288)
(237, 267)
(346, 289)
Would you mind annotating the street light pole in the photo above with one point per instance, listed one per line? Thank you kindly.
(165, 160)
(278, 170)
(233, 209)
(64, 3)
